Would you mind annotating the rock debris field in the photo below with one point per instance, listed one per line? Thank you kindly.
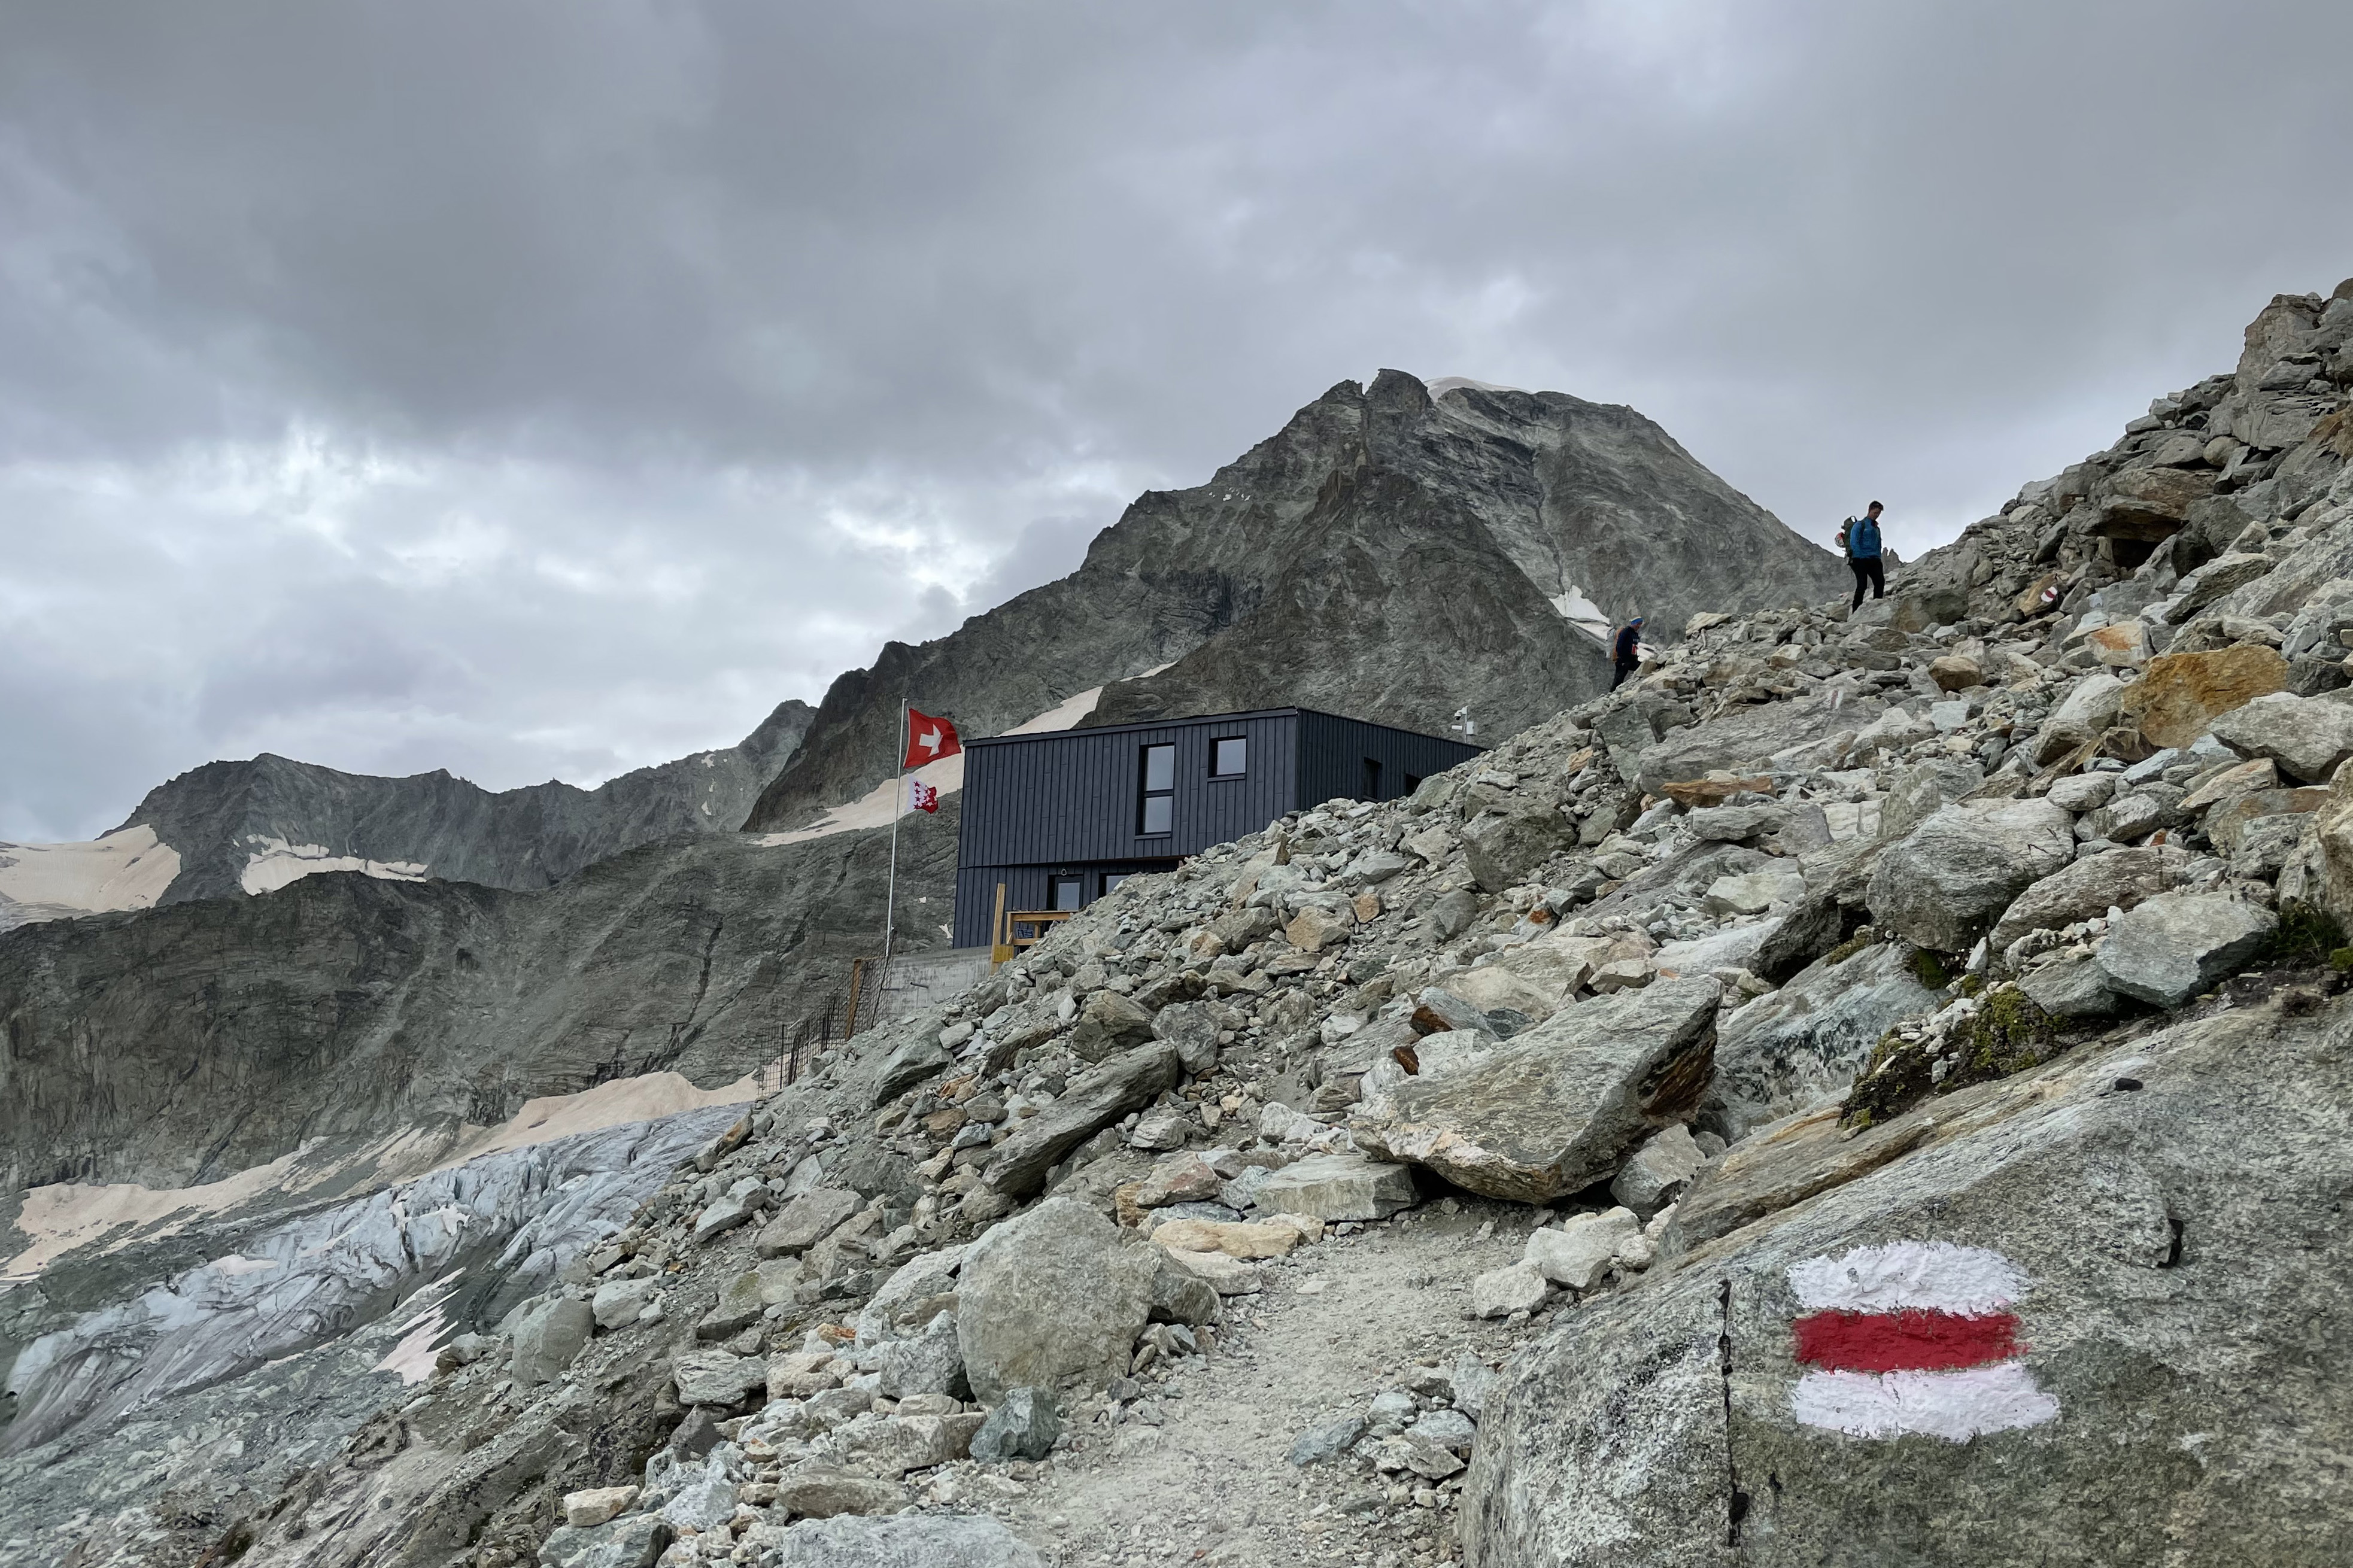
(1873, 1090)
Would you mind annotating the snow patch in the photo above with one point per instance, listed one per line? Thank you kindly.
(128, 869)
(277, 863)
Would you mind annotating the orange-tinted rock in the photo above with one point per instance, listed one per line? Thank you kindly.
(1693, 793)
(2179, 694)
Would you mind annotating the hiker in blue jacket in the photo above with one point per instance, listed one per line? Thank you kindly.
(1626, 656)
(1859, 537)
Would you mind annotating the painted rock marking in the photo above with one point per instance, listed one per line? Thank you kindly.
(1912, 1337)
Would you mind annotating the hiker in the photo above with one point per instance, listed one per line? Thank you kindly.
(1628, 654)
(1860, 540)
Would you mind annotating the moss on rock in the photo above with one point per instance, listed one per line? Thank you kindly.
(2006, 1034)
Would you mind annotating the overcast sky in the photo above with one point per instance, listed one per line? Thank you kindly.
(547, 389)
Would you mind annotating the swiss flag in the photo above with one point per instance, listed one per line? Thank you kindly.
(929, 739)
(926, 798)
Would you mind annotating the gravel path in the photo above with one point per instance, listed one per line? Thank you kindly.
(1337, 1323)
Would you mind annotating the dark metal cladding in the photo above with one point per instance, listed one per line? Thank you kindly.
(1071, 804)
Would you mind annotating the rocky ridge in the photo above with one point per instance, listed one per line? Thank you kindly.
(246, 827)
(1999, 922)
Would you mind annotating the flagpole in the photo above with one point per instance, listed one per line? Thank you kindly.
(891, 897)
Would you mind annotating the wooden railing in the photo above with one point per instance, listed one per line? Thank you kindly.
(1007, 927)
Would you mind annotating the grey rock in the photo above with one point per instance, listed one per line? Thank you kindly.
(739, 1306)
(1319, 1443)
(2084, 889)
(901, 1307)
(931, 1363)
(1580, 1251)
(1472, 1381)
(964, 1539)
(1093, 1101)
(2306, 736)
(1053, 1293)
(1109, 1022)
(1178, 1296)
(1923, 790)
(818, 1491)
(912, 1059)
(634, 1541)
(1754, 892)
(1189, 1027)
(1657, 1172)
(702, 1499)
(550, 1337)
(1334, 1187)
(1801, 1046)
(1499, 1292)
(2083, 792)
(1621, 1436)
(715, 1377)
(1449, 1430)
(2174, 945)
(1558, 1108)
(2070, 988)
(721, 1216)
(1503, 850)
(2087, 713)
(1733, 823)
(1952, 877)
(1452, 913)
(617, 1303)
(1023, 1426)
(805, 1221)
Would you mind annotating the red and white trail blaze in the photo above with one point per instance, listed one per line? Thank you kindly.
(1912, 1337)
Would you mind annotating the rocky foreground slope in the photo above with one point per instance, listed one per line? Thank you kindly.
(1872, 1091)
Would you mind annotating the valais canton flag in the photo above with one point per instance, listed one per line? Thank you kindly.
(929, 739)
(925, 798)
(1912, 1337)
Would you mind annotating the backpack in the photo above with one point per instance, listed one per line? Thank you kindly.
(1859, 537)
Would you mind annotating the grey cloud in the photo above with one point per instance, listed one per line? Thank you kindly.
(754, 334)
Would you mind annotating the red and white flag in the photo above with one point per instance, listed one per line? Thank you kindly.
(925, 797)
(1912, 1337)
(929, 739)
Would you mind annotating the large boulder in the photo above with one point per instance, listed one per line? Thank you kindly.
(2174, 945)
(1501, 850)
(1094, 1101)
(1109, 1022)
(2085, 888)
(804, 1221)
(2150, 504)
(1802, 1044)
(2307, 737)
(550, 1337)
(906, 1064)
(2179, 694)
(1053, 1293)
(965, 1540)
(1558, 1108)
(1954, 875)
(2146, 1215)
(2081, 718)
